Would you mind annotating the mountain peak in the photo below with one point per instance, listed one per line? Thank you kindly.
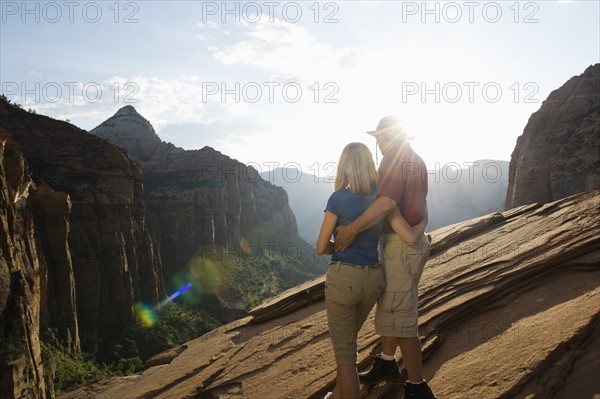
(130, 130)
(128, 110)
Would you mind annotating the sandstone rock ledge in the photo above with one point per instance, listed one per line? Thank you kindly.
(510, 308)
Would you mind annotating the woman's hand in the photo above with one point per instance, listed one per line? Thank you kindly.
(324, 243)
(330, 249)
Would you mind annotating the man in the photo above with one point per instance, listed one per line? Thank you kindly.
(403, 184)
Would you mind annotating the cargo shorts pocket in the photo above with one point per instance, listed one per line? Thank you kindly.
(397, 297)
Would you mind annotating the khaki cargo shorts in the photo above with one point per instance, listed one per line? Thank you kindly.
(350, 294)
(397, 314)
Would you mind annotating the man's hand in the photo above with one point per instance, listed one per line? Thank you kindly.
(344, 237)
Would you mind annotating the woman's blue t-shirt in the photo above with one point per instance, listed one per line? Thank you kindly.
(347, 206)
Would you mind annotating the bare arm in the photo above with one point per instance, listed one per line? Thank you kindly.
(324, 244)
(410, 234)
(376, 212)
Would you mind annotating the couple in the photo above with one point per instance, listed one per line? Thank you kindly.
(369, 208)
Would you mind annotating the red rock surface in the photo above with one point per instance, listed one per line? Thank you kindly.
(558, 153)
(21, 266)
(509, 309)
(58, 294)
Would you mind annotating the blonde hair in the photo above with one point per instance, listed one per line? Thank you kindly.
(356, 170)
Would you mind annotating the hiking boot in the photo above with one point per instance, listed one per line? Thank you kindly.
(382, 370)
(417, 391)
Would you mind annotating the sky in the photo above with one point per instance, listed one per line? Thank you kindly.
(289, 84)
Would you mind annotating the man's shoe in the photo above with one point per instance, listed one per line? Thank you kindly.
(417, 391)
(382, 370)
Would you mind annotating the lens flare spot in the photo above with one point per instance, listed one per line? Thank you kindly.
(144, 314)
(174, 295)
(245, 246)
(206, 273)
(189, 289)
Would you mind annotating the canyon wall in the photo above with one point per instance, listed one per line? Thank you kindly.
(558, 153)
(88, 211)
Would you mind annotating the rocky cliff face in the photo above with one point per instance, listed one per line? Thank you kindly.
(511, 298)
(21, 279)
(558, 153)
(52, 212)
(89, 213)
(201, 203)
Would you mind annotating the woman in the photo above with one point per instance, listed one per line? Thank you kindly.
(355, 278)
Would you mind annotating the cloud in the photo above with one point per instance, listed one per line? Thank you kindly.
(161, 101)
(208, 28)
(177, 111)
(352, 57)
(208, 25)
(288, 49)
